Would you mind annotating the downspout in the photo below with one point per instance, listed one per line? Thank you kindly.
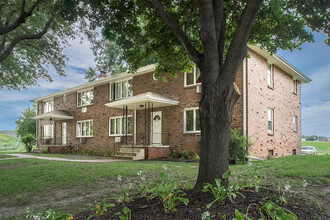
(37, 125)
(134, 127)
(244, 96)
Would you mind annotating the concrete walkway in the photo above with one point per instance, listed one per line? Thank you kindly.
(17, 156)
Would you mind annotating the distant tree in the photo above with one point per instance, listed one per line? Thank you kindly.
(25, 124)
(32, 36)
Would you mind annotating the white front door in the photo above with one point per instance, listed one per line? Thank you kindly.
(156, 132)
(64, 133)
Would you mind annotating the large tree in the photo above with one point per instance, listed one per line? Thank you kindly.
(32, 36)
(212, 34)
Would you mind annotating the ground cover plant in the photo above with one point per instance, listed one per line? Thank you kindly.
(68, 187)
(322, 147)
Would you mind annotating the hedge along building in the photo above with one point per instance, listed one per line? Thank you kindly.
(138, 116)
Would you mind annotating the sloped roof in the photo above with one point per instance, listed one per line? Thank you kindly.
(56, 114)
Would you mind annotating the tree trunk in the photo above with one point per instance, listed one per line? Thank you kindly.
(216, 108)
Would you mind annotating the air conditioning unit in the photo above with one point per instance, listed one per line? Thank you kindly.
(84, 109)
(117, 139)
(198, 137)
(199, 88)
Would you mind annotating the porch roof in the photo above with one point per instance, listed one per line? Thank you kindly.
(137, 102)
(56, 115)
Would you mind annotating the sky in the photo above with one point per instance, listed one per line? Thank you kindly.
(313, 60)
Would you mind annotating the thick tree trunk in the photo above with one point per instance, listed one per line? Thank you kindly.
(216, 108)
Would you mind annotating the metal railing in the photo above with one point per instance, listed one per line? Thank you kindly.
(159, 138)
(58, 141)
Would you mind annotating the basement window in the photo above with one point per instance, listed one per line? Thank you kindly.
(270, 113)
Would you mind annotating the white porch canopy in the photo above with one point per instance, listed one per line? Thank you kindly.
(54, 115)
(137, 102)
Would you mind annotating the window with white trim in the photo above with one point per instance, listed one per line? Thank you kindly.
(295, 123)
(85, 128)
(47, 131)
(122, 89)
(191, 120)
(48, 106)
(118, 125)
(270, 117)
(295, 86)
(193, 77)
(270, 75)
(85, 97)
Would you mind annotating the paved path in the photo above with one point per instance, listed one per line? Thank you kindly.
(17, 156)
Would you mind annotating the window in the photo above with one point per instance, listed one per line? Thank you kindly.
(48, 106)
(118, 125)
(123, 89)
(47, 131)
(270, 121)
(270, 76)
(193, 77)
(85, 97)
(85, 128)
(295, 86)
(191, 120)
(295, 123)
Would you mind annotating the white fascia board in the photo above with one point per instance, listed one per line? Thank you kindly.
(122, 76)
(281, 63)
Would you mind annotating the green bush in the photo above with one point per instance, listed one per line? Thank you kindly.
(28, 141)
(238, 147)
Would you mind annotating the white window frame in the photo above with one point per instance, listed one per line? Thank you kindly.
(121, 125)
(195, 70)
(194, 120)
(295, 86)
(91, 97)
(80, 135)
(48, 105)
(44, 129)
(295, 123)
(270, 75)
(272, 120)
(113, 96)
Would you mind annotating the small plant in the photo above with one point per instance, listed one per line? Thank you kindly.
(28, 141)
(207, 216)
(101, 208)
(125, 196)
(220, 192)
(271, 210)
(125, 215)
(240, 216)
(48, 215)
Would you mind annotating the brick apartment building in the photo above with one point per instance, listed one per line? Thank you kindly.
(141, 117)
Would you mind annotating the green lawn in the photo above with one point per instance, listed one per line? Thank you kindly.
(73, 156)
(9, 144)
(70, 186)
(321, 147)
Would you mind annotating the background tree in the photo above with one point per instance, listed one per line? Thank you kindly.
(25, 124)
(213, 34)
(32, 36)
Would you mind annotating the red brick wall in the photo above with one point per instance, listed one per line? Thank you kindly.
(285, 103)
(157, 152)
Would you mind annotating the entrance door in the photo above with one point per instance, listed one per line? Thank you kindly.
(156, 135)
(64, 133)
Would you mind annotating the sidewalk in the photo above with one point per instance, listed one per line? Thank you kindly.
(19, 156)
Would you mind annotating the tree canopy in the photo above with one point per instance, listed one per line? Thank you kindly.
(32, 36)
(25, 125)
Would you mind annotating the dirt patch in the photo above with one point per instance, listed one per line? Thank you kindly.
(142, 208)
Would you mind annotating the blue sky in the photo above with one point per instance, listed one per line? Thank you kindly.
(313, 60)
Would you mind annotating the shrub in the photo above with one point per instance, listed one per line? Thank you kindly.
(28, 141)
(238, 147)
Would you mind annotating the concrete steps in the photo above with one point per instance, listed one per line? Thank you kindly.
(129, 153)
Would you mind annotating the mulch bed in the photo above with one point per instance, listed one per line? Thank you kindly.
(142, 208)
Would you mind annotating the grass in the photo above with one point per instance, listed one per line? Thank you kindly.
(8, 144)
(321, 147)
(69, 186)
(73, 156)
(5, 156)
